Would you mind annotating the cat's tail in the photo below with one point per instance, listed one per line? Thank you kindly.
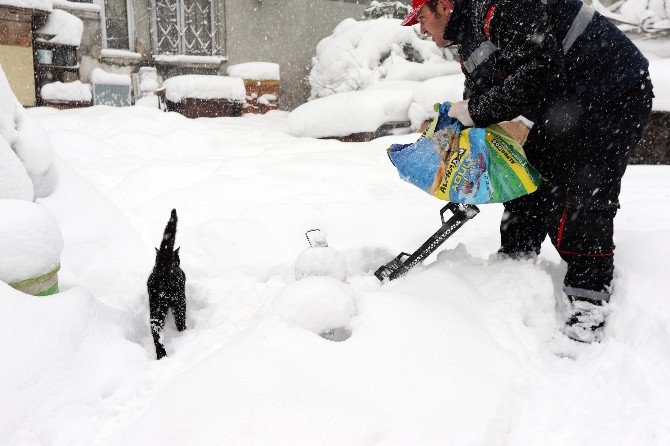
(169, 235)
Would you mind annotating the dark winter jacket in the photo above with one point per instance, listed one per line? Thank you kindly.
(528, 57)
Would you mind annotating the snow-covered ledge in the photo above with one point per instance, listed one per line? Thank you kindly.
(190, 61)
(123, 57)
(76, 6)
(85, 11)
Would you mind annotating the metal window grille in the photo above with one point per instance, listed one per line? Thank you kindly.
(183, 27)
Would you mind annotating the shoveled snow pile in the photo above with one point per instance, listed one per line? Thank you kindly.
(365, 111)
(369, 55)
(321, 261)
(352, 112)
(69, 342)
(464, 348)
(316, 304)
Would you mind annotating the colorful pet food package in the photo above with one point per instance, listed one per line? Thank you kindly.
(465, 165)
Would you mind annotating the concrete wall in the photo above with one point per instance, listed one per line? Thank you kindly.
(285, 32)
(141, 13)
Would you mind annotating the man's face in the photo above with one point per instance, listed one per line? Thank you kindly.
(434, 24)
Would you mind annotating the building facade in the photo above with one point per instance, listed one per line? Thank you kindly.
(206, 36)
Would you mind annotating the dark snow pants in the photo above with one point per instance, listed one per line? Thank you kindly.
(583, 163)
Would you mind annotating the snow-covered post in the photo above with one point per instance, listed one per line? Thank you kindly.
(262, 83)
(30, 247)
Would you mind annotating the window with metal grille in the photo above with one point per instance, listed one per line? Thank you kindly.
(117, 23)
(183, 27)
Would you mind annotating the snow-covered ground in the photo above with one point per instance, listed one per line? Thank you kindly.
(463, 351)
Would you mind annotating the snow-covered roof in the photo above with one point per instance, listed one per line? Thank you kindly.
(66, 28)
(40, 5)
(200, 86)
(255, 71)
(67, 91)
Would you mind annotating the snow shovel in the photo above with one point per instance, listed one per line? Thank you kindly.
(404, 262)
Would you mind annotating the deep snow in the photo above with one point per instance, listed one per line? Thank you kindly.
(463, 351)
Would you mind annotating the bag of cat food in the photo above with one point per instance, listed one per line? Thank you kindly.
(465, 165)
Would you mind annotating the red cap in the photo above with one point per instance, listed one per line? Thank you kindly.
(411, 17)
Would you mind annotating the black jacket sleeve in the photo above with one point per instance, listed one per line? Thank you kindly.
(522, 31)
(468, 89)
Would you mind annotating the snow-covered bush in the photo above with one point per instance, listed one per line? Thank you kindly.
(350, 112)
(316, 304)
(388, 9)
(362, 53)
(26, 155)
(648, 16)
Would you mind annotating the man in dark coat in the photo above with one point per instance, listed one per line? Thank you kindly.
(586, 88)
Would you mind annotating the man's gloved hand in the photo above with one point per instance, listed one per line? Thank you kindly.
(459, 110)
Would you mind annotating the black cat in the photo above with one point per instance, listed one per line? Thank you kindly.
(167, 287)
